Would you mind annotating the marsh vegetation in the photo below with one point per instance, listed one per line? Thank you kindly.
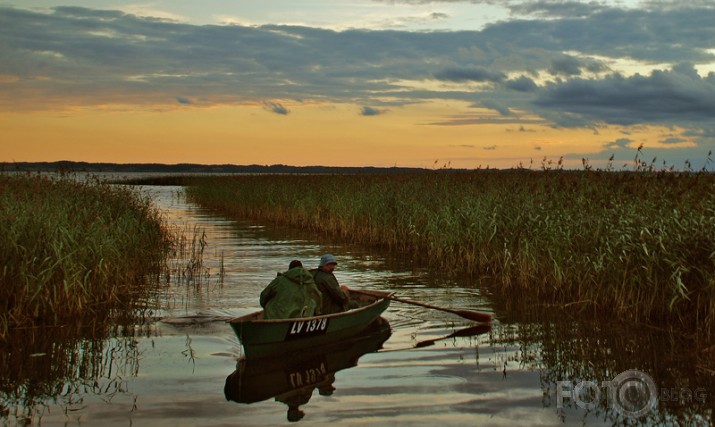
(74, 250)
(83, 265)
(639, 245)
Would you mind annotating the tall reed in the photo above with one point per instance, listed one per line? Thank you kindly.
(185, 264)
(640, 245)
(74, 250)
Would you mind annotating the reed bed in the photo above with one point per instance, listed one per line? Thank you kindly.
(639, 245)
(74, 250)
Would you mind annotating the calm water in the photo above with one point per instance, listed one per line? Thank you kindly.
(174, 369)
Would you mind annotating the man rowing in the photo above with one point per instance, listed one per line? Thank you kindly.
(334, 297)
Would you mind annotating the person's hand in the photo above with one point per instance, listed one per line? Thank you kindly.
(345, 289)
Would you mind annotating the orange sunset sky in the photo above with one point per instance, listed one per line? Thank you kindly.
(466, 84)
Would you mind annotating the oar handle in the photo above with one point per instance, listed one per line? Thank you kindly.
(467, 314)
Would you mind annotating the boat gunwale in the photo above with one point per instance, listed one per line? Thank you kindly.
(254, 317)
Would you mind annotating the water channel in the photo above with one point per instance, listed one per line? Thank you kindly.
(177, 369)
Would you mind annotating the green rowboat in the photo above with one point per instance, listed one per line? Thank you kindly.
(262, 338)
(255, 380)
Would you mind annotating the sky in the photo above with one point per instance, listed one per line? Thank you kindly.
(409, 83)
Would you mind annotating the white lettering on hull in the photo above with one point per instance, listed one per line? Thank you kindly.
(307, 328)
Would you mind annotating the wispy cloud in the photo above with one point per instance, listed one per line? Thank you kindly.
(619, 144)
(370, 111)
(276, 107)
(563, 9)
(497, 106)
(673, 140)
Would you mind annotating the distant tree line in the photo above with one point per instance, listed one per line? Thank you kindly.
(190, 168)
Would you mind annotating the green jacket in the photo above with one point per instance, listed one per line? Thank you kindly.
(291, 294)
(334, 299)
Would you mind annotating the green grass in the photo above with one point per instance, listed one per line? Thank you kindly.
(74, 251)
(638, 245)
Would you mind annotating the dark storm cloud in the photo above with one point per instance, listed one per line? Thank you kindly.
(663, 97)
(85, 57)
(651, 35)
(521, 84)
(473, 74)
(567, 65)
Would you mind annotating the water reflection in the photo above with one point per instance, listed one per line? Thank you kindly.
(292, 379)
(63, 364)
(572, 350)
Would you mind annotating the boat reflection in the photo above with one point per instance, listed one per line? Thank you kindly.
(292, 379)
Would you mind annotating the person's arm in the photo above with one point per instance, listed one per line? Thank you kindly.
(329, 284)
(267, 294)
(337, 293)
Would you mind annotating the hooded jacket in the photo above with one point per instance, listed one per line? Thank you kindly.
(291, 294)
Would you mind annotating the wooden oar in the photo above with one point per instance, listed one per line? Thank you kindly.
(467, 314)
(466, 332)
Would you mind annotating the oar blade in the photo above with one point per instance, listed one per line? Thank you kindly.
(425, 343)
(472, 331)
(466, 332)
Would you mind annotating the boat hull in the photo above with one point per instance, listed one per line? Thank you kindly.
(263, 338)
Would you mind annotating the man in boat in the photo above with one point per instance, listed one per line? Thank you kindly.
(291, 294)
(335, 297)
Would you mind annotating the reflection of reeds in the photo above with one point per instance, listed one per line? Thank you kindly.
(61, 364)
(74, 250)
(639, 245)
(185, 265)
(578, 350)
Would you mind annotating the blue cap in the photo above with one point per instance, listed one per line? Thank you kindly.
(327, 259)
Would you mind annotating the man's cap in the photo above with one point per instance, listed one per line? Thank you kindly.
(327, 259)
